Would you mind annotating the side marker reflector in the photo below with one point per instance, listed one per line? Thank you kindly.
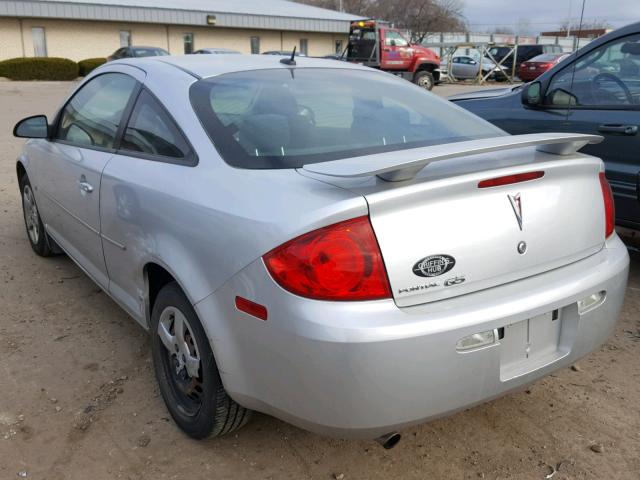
(252, 308)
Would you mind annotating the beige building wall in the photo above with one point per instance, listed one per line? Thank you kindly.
(10, 44)
(319, 44)
(78, 40)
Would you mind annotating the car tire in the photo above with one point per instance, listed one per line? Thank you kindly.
(193, 394)
(41, 243)
(424, 79)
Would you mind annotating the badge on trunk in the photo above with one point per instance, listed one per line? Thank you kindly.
(434, 265)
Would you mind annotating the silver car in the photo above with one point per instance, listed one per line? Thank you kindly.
(465, 67)
(323, 242)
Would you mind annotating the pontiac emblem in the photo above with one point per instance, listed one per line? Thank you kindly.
(516, 204)
(434, 265)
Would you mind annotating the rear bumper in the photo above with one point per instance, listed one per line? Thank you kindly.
(362, 369)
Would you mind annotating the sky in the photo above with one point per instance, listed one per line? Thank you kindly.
(540, 15)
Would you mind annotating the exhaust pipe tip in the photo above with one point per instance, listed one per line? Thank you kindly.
(389, 440)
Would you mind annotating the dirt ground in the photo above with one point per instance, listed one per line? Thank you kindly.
(78, 399)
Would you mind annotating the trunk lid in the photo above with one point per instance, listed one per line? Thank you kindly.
(442, 236)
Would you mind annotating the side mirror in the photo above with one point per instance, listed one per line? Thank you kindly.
(532, 94)
(473, 62)
(32, 127)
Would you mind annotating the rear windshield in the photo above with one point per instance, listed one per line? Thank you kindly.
(287, 118)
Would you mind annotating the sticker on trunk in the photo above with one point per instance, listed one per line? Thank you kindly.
(434, 265)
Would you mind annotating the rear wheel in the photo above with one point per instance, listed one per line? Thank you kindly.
(186, 369)
(40, 242)
(424, 79)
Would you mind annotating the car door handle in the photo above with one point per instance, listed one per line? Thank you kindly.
(85, 186)
(623, 129)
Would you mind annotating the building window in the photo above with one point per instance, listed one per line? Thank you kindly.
(304, 46)
(39, 42)
(255, 45)
(187, 38)
(125, 38)
(338, 46)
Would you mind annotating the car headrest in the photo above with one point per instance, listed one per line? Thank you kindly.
(267, 133)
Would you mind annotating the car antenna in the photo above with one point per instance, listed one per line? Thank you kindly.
(290, 61)
(573, 71)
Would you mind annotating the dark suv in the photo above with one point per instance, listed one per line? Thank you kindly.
(596, 90)
(524, 53)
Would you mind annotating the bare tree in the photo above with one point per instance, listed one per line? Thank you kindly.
(419, 17)
(503, 30)
(574, 25)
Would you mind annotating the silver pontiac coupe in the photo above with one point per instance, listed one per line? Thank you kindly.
(323, 242)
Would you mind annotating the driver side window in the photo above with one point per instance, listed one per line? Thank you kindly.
(392, 38)
(92, 117)
(608, 76)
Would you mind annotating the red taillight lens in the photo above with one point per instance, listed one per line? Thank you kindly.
(609, 207)
(509, 179)
(338, 262)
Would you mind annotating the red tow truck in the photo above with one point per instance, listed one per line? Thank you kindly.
(375, 44)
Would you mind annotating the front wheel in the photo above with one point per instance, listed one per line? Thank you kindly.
(186, 369)
(424, 79)
(38, 238)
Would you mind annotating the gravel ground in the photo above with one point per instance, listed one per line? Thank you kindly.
(78, 399)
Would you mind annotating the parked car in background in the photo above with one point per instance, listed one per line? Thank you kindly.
(216, 51)
(335, 56)
(283, 53)
(532, 69)
(596, 91)
(137, 52)
(524, 53)
(465, 67)
(312, 256)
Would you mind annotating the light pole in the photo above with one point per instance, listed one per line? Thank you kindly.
(568, 22)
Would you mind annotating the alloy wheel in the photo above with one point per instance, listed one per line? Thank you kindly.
(31, 217)
(182, 361)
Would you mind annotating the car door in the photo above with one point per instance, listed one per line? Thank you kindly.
(69, 176)
(600, 92)
(152, 147)
(465, 68)
(395, 51)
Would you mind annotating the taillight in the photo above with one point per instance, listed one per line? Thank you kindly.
(338, 262)
(609, 207)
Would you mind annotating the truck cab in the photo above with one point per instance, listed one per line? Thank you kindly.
(375, 44)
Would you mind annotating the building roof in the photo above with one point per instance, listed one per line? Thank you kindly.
(262, 14)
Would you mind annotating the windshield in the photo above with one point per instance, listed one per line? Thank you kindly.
(287, 118)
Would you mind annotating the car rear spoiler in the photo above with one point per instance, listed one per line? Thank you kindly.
(402, 165)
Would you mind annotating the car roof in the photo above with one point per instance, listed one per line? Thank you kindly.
(145, 47)
(203, 66)
(217, 49)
